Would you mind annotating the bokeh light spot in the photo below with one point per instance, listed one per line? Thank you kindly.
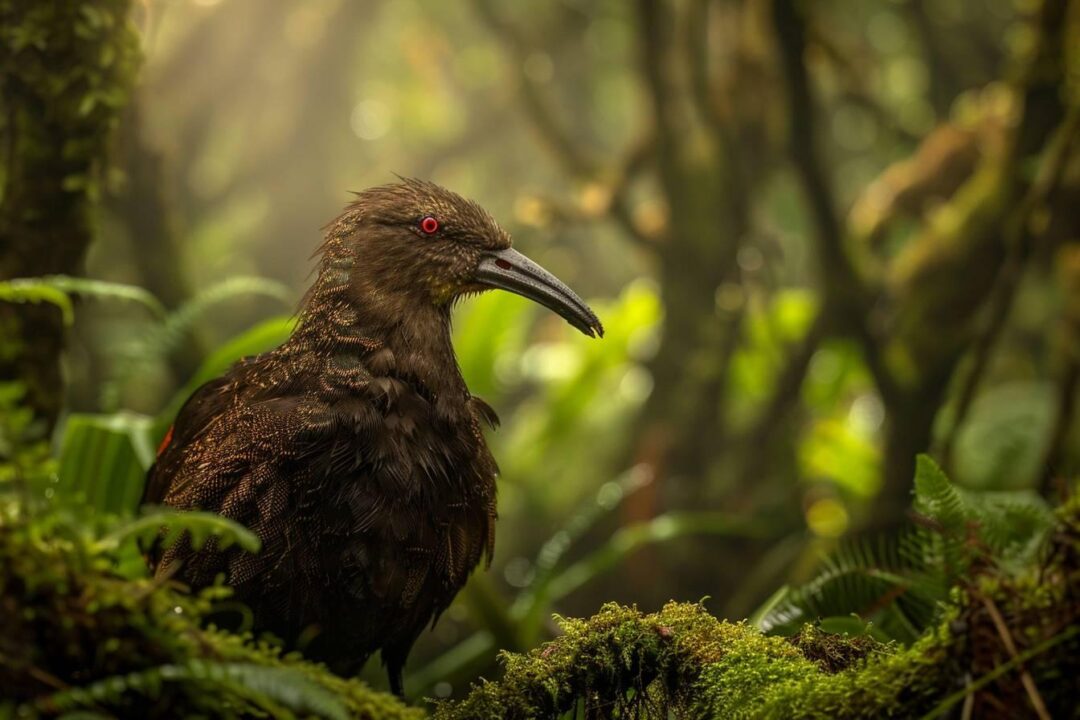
(827, 518)
(370, 119)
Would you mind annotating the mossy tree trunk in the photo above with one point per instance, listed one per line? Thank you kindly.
(918, 320)
(66, 71)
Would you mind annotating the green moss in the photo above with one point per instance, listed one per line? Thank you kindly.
(69, 67)
(683, 663)
(75, 636)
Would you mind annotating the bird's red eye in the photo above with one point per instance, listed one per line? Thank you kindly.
(429, 225)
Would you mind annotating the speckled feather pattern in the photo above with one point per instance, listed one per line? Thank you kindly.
(354, 451)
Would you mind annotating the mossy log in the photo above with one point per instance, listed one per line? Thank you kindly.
(1009, 646)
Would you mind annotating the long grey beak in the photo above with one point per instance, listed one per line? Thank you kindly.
(510, 270)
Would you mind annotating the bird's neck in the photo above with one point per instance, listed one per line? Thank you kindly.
(348, 315)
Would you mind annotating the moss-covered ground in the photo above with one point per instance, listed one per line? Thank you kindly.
(75, 636)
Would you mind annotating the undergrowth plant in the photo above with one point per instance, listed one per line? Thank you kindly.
(895, 586)
(77, 639)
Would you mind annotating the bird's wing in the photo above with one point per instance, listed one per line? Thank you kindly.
(196, 413)
(234, 456)
(329, 487)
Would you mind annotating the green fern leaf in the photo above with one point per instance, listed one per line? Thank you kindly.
(104, 290)
(179, 323)
(936, 497)
(199, 526)
(35, 291)
(278, 690)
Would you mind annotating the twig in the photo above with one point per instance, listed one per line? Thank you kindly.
(944, 83)
(42, 676)
(948, 702)
(855, 85)
(636, 160)
(575, 159)
(1010, 645)
(539, 106)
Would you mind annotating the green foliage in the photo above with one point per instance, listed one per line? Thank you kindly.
(277, 691)
(103, 460)
(90, 288)
(37, 291)
(78, 637)
(1005, 438)
(898, 584)
(577, 395)
(684, 663)
(176, 325)
(24, 453)
(167, 526)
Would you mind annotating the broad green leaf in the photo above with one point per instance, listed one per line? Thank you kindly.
(1003, 441)
(104, 458)
(844, 625)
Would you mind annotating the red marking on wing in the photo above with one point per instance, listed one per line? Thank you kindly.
(165, 443)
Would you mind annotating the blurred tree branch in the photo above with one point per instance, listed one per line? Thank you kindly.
(1020, 234)
(854, 82)
(944, 83)
(575, 159)
(846, 296)
(1062, 455)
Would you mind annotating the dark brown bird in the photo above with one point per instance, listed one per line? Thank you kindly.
(354, 450)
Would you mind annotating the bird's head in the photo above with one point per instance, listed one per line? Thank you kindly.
(416, 242)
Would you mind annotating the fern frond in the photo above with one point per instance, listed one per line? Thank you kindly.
(29, 290)
(184, 317)
(607, 499)
(171, 333)
(936, 498)
(104, 290)
(199, 526)
(268, 689)
(877, 580)
(1013, 524)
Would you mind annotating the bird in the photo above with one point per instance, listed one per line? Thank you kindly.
(354, 450)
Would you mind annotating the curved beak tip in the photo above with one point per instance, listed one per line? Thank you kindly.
(510, 270)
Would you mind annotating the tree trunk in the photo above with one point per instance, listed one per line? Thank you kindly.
(67, 71)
